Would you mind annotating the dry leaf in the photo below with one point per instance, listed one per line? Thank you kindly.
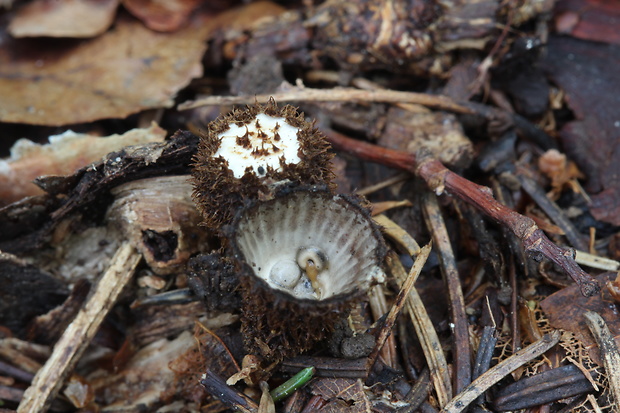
(591, 140)
(64, 18)
(565, 310)
(249, 365)
(62, 156)
(163, 16)
(128, 69)
(342, 395)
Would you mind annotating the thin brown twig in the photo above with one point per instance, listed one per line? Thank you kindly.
(440, 179)
(425, 331)
(460, 327)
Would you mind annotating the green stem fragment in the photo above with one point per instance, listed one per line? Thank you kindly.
(291, 385)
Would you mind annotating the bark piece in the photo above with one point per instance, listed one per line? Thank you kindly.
(65, 154)
(147, 375)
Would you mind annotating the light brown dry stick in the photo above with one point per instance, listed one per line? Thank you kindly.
(300, 93)
(78, 335)
(501, 370)
(378, 307)
(425, 331)
(405, 288)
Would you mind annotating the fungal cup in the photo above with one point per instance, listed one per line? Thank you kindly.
(304, 255)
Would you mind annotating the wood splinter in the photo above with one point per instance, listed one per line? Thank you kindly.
(78, 335)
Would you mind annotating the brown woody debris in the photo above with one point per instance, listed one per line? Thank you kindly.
(65, 154)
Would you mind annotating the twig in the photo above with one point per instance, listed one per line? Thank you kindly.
(405, 289)
(383, 184)
(553, 211)
(484, 355)
(597, 262)
(440, 179)
(499, 371)
(418, 393)
(401, 237)
(230, 396)
(296, 93)
(327, 366)
(431, 346)
(452, 281)
(542, 388)
(608, 349)
(378, 307)
(80, 332)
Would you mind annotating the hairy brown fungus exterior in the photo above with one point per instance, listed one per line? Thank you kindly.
(305, 258)
(247, 153)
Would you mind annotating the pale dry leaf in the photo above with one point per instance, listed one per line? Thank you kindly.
(64, 18)
(62, 156)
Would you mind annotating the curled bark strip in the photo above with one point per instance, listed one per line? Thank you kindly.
(440, 179)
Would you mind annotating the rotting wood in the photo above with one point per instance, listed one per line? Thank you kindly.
(78, 335)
